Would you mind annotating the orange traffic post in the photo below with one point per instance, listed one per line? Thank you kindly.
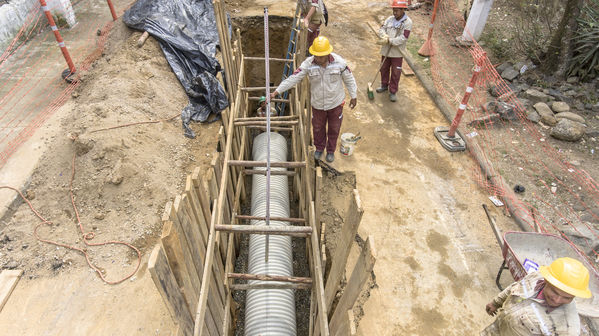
(67, 73)
(112, 11)
(427, 48)
(450, 139)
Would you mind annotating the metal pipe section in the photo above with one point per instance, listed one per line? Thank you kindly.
(270, 311)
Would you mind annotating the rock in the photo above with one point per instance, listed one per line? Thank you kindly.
(572, 80)
(30, 194)
(490, 107)
(570, 93)
(534, 117)
(100, 215)
(518, 66)
(12, 265)
(546, 114)
(75, 94)
(588, 106)
(595, 108)
(56, 264)
(83, 145)
(116, 176)
(501, 68)
(571, 116)
(592, 133)
(559, 106)
(568, 130)
(506, 111)
(578, 207)
(510, 74)
(581, 235)
(535, 96)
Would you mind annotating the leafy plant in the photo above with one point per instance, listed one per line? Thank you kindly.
(497, 44)
(585, 62)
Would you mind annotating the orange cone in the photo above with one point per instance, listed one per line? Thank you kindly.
(427, 49)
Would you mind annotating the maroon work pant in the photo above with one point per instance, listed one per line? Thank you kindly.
(393, 63)
(313, 33)
(323, 136)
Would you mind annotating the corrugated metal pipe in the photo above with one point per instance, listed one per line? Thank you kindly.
(270, 311)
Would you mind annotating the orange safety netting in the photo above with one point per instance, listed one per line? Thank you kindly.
(557, 191)
(31, 87)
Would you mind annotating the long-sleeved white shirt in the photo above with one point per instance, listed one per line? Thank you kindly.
(398, 32)
(326, 84)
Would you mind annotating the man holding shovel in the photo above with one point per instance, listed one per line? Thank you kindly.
(393, 36)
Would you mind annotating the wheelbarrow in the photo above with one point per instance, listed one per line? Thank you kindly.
(524, 252)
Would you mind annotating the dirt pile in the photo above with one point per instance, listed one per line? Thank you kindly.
(123, 176)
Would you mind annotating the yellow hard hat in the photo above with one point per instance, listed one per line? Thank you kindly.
(321, 46)
(569, 275)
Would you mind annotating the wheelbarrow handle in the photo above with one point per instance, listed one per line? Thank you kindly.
(494, 227)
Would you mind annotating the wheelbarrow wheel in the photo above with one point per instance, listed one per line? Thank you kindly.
(499, 275)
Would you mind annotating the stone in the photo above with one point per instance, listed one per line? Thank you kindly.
(570, 93)
(546, 114)
(12, 265)
(568, 130)
(581, 235)
(99, 216)
(116, 176)
(501, 68)
(572, 80)
(571, 116)
(506, 111)
(518, 66)
(559, 106)
(533, 116)
(595, 108)
(510, 74)
(83, 145)
(30, 194)
(535, 96)
(588, 106)
(592, 133)
(490, 107)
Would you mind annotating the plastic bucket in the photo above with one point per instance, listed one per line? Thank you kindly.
(348, 143)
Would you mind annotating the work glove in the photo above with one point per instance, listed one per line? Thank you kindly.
(383, 40)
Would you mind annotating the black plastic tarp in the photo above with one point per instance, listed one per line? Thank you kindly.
(186, 30)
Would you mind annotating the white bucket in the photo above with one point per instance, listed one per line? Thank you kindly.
(348, 143)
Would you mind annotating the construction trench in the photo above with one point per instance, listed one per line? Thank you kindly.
(242, 247)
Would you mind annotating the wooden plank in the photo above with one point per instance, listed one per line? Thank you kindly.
(347, 326)
(266, 277)
(359, 277)
(167, 287)
(198, 249)
(353, 216)
(406, 70)
(322, 327)
(191, 263)
(202, 195)
(269, 286)
(318, 197)
(196, 208)
(323, 248)
(274, 172)
(263, 164)
(284, 219)
(174, 255)
(8, 282)
(293, 231)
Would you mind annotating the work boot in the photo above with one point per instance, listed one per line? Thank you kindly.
(381, 89)
(392, 97)
(330, 157)
(317, 155)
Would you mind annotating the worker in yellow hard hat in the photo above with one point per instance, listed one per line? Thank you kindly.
(542, 302)
(327, 72)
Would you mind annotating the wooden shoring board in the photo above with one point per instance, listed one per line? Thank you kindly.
(347, 326)
(353, 216)
(217, 217)
(196, 208)
(216, 171)
(217, 299)
(190, 251)
(167, 287)
(406, 70)
(358, 278)
(318, 198)
(174, 254)
(202, 195)
(8, 282)
(322, 325)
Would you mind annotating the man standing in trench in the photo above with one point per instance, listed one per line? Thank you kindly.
(542, 302)
(393, 36)
(327, 73)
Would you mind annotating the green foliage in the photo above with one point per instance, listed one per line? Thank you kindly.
(498, 44)
(60, 21)
(585, 62)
